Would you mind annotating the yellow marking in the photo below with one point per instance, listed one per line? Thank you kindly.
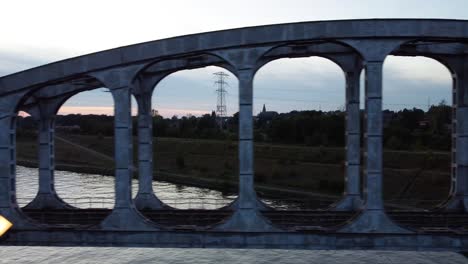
(4, 225)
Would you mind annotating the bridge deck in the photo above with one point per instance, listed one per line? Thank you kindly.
(305, 221)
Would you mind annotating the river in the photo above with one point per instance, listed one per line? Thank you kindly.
(97, 191)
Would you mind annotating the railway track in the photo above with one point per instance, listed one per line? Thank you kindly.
(313, 220)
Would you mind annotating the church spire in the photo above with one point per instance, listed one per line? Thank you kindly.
(264, 109)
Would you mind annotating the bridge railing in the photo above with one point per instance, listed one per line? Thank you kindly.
(108, 202)
(210, 203)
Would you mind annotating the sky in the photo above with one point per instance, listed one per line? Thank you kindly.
(39, 32)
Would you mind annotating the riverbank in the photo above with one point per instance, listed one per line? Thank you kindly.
(280, 170)
(224, 186)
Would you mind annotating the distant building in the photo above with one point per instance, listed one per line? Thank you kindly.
(425, 123)
(266, 116)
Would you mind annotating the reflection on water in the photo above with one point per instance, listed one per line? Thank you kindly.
(97, 191)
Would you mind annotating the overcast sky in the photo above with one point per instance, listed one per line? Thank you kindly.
(38, 32)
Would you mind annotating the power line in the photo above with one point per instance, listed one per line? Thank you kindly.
(326, 102)
(221, 107)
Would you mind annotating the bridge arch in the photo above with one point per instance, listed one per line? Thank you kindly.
(44, 104)
(443, 51)
(349, 62)
(429, 166)
(150, 82)
(278, 169)
(118, 69)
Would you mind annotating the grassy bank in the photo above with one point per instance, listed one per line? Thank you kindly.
(295, 169)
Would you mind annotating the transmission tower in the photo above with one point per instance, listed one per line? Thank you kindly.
(221, 84)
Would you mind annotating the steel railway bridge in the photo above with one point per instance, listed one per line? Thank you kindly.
(358, 220)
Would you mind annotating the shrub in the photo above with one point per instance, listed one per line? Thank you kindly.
(180, 161)
(260, 177)
(292, 173)
(227, 165)
(323, 184)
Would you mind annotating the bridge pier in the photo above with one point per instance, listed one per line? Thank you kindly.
(373, 218)
(8, 203)
(124, 216)
(247, 215)
(458, 200)
(146, 199)
(458, 197)
(47, 197)
(352, 197)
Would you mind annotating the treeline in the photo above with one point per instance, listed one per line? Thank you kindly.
(206, 127)
(418, 130)
(313, 128)
(408, 129)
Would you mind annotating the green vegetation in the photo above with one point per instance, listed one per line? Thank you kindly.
(213, 163)
(411, 129)
(298, 151)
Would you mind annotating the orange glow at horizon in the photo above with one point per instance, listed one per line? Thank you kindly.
(23, 114)
(109, 110)
(88, 110)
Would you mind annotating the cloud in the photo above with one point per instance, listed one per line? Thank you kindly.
(283, 85)
(300, 69)
(415, 82)
(36, 37)
(194, 91)
(416, 70)
(202, 74)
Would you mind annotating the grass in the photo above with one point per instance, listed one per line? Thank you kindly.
(407, 175)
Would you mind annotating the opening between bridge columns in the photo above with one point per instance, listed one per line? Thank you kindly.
(43, 111)
(124, 215)
(84, 134)
(74, 148)
(192, 145)
(349, 63)
(417, 132)
(309, 131)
